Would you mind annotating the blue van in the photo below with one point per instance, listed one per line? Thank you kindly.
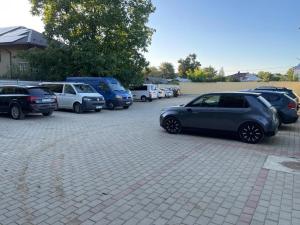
(114, 93)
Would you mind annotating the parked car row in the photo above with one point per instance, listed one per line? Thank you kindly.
(79, 94)
(252, 114)
(149, 92)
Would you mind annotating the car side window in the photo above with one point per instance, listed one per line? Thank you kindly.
(206, 101)
(8, 91)
(103, 87)
(271, 97)
(233, 101)
(56, 88)
(69, 90)
(21, 91)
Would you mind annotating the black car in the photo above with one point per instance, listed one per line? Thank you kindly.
(286, 106)
(248, 114)
(21, 100)
(289, 92)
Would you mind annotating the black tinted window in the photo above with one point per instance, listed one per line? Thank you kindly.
(271, 97)
(57, 88)
(233, 101)
(21, 91)
(103, 87)
(69, 90)
(8, 90)
(206, 101)
(39, 91)
(140, 88)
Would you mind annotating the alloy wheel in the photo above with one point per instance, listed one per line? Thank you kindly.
(251, 133)
(172, 125)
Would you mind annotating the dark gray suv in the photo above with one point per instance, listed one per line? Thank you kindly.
(248, 114)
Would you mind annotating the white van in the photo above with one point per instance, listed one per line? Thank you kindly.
(145, 92)
(79, 97)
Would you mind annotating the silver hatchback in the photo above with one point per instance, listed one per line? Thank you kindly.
(248, 114)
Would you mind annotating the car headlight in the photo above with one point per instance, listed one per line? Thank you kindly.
(87, 99)
(118, 97)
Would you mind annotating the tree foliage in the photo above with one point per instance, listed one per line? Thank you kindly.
(104, 37)
(167, 70)
(265, 76)
(207, 74)
(190, 63)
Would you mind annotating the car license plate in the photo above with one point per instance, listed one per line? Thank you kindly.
(98, 107)
(127, 103)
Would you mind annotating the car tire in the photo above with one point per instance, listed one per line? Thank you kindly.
(48, 113)
(110, 105)
(16, 112)
(143, 98)
(77, 108)
(172, 125)
(126, 107)
(98, 110)
(251, 133)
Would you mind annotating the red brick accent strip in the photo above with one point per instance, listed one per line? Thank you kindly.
(253, 198)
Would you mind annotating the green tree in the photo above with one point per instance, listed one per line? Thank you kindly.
(221, 72)
(153, 72)
(104, 37)
(167, 70)
(290, 75)
(265, 76)
(197, 75)
(189, 63)
(210, 73)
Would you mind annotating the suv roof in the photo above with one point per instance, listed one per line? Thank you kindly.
(236, 93)
(19, 86)
(64, 82)
(272, 88)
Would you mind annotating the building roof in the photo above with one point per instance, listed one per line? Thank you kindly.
(21, 36)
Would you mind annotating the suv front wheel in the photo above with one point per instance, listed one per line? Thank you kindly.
(251, 133)
(77, 108)
(16, 112)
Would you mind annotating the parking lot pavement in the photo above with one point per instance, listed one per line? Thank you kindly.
(120, 167)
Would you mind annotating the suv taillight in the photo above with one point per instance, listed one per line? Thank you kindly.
(32, 99)
(292, 105)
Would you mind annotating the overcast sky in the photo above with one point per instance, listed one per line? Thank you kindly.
(237, 35)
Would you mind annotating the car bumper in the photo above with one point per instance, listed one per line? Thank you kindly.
(92, 105)
(122, 102)
(290, 119)
(42, 108)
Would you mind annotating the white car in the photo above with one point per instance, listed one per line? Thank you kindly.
(79, 97)
(161, 93)
(145, 92)
(168, 92)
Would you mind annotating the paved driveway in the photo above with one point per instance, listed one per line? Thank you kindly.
(120, 167)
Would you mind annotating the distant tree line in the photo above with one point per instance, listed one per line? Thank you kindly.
(191, 69)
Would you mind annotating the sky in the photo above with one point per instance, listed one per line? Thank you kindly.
(239, 35)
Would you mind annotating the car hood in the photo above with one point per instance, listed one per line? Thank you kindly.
(122, 93)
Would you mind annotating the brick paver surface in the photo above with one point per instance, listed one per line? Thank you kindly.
(120, 167)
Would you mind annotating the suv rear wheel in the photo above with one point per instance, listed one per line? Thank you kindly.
(16, 112)
(251, 133)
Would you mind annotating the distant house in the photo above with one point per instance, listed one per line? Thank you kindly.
(244, 77)
(297, 71)
(12, 41)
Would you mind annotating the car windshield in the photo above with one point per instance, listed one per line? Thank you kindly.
(116, 86)
(84, 88)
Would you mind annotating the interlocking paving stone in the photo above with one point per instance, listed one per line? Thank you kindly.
(120, 167)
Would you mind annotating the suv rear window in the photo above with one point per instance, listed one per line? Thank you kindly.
(56, 88)
(39, 91)
(264, 102)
